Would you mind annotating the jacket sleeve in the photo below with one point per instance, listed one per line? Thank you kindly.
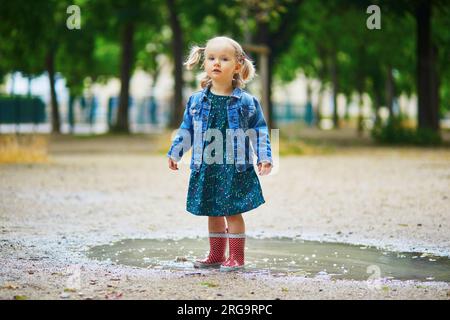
(184, 138)
(258, 123)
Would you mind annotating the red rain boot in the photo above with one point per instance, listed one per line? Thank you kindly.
(218, 246)
(236, 259)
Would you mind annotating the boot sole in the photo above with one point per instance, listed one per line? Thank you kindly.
(228, 269)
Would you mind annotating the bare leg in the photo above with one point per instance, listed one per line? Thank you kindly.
(216, 224)
(236, 224)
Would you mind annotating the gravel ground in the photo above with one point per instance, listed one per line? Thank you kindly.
(51, 213)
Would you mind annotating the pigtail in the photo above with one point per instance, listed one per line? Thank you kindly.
(195, 55)
(246, 73)
(248, 70)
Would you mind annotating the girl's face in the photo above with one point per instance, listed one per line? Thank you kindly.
(220, 61)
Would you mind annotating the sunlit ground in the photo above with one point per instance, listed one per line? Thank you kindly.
(23, 148)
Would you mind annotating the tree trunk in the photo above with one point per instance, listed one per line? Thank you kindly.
(426, 72)
(263, 37)
(360, 88)
(13, 83)
(319, 104)
(322, 74)
(435, 84)
(309, 106)
(50, 62)
(390, 92)
(335, 87)
(30, 79)
(177, 48)
(71, 115)
(126, 63)
(360, 114)
(347, 109)
(377, 103)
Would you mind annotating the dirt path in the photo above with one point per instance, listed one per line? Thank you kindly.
(51, 213)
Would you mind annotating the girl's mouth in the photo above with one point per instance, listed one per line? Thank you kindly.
(216, 70)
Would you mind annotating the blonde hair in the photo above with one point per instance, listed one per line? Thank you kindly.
(240, 79)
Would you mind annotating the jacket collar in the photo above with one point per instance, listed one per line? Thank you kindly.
(237, 92)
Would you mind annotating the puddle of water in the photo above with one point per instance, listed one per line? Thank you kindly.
(283, 256)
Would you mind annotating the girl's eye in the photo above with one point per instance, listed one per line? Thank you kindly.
(223, 59)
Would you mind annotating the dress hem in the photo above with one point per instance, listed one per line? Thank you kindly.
(227, 214)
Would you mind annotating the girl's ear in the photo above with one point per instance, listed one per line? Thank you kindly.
(238, 68)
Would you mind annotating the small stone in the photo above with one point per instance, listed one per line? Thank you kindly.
(64, 296)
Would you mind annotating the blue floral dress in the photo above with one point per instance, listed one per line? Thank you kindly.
(218, 189)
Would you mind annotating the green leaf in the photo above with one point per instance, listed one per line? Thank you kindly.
(209, 284)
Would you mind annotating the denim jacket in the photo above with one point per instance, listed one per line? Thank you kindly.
(247, 133)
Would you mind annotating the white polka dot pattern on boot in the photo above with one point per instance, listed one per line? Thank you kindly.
(217, 249)
(236, 247)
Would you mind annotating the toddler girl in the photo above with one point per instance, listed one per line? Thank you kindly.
(223, 183)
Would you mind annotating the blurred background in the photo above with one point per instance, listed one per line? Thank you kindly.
(347, 71)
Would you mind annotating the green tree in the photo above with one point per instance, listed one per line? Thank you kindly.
(125, 19)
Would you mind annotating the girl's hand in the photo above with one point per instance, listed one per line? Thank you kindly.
(264, 168)
(172, 164)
